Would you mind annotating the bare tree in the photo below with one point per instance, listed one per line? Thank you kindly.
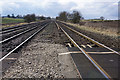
(13, 16)
(102, 18)
(63, 16)
(8, 16)
(76, 17)
(29, 18)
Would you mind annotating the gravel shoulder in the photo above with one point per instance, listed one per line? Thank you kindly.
(41, 59)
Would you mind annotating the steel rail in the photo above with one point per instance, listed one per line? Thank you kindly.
(13, 27)
(6, 31)
(23, 42)
(92, 40)
(7, 28)
(16, 28)
(71, 58)
(17, 35)
(14, 31)
(104, 73)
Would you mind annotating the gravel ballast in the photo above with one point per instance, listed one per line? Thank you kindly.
(41, 59)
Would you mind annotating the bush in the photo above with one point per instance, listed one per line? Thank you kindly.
(29, 18)
(76, 17)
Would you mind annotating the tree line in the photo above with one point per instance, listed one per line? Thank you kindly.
(74, 17)
(13, 16)
(29, 17)
(32, 17)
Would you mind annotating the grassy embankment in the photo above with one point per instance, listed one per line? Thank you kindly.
(12, 22)
(98, 20)
(107, 32)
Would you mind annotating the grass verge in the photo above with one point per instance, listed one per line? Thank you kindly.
(11, 20)
(97, 30)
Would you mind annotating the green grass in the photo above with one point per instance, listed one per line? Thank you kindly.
(11, 20)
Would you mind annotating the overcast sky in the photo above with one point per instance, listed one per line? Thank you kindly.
(89, 8)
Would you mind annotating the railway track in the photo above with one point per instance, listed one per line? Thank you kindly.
(8, 42)
(15, 27)
(93, 59)
(16, 30)
(9, 29)
(16, 41)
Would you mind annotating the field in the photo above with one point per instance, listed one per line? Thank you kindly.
(104, 28)
(11, 20)
(103, 32)
(8, 22)
(93, 20)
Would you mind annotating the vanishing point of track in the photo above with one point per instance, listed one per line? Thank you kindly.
(65, 29)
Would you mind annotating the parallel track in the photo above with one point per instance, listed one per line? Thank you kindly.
(11, 56)
(15, 32)
(11, 33)
(12, 29)
(15, 27)
(9, 29)
(64, 28)
(22, 42)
